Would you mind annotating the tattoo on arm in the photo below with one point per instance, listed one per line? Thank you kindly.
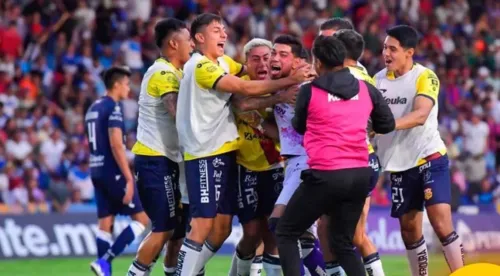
(254, 103)
(170, 103)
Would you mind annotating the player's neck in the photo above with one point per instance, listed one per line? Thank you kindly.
(350, 63)
(113, 96)
(172, 57)
(405, 69)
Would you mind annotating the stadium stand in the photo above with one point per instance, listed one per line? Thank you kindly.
(52, 54)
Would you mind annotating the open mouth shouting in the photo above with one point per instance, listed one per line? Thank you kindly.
(275, 69)
(220, 46)
(388, 61)
(262, 74)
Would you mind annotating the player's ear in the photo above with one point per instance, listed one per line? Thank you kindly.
(172, 43)
(295, 63)
(410, 52)
(199, 37)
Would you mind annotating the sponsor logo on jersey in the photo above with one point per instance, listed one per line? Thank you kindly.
(398, 100)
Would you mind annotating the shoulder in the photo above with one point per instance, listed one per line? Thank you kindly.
(423, 71)
(245, 77)
(380, 74)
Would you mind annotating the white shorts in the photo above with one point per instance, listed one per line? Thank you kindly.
(293, 168)
(182, 184)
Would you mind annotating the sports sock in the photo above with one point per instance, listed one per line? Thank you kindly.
(207, 252)
(373, 265)
(169, 271)
(126, 237)
(243, 263)
(334, 269)
(312, 256)
(271, 264)
(256, 267)
(137, 269)
(188, 258)
(103, 241)
(418, 258)
(453, 251)
(234, 265)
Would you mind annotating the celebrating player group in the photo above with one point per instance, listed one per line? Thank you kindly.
(282, 142)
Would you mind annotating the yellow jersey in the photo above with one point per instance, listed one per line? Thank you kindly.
(256, 152)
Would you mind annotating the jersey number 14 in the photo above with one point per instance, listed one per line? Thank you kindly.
(91, 134)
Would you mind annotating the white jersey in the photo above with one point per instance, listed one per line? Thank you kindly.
(205, 121)
(156, 127)
(401, 150)
(291, 143)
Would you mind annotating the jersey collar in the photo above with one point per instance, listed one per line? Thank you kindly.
(390, 74)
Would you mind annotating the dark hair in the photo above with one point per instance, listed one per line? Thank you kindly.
(329, 50)
(114, 74)
(165, 28)
(353, 42)
(406, 35)
(203, 20)
(336, 23)
(293, 42)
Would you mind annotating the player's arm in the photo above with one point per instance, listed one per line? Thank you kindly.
(382, 118)
(244, 103)
(165, 85)
(425, 99)
(270, 129)
(211, 76)
(115, 133)
(300, 118)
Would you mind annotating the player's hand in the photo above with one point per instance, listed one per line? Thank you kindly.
(289, 95)
(129, 192)
(302, 74)
(252, 118)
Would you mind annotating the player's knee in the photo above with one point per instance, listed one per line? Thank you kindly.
(252, 233)
(142, 218)
(410, 232)
(200, 229)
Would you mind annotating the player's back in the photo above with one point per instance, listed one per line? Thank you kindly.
(401, 150)
(102, 115)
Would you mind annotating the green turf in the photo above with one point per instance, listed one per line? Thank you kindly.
(218, 266)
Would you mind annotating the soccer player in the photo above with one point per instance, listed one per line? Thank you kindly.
(288, 54)
(336, 108)
(111, 175)
(157, 151)
(414, 153)
(209, 138)
(260, 166)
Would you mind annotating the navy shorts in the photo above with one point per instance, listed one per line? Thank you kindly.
(212, 184)
(375, 165)
(158, 184)
(258, 191)
(109, 193)
(427, 184)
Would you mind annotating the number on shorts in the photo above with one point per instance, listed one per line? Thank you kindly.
(92, 137)
(397, 195)
(217, 192)
(251, 195)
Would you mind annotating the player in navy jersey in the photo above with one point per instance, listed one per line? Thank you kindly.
(111, 175)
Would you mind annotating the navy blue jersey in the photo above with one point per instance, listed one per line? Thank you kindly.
(102, 115)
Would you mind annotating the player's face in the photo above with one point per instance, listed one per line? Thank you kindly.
(282, 61)
(328, 32)
(185, 45)
(214, 37)
(123, 85)
(258, 66)
(395, 56)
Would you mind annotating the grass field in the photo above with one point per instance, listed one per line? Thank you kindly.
(218, 266)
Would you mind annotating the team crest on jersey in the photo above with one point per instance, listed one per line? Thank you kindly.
(211, 69)
(428, 193)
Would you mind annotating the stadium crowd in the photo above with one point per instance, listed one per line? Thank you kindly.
(52, 54)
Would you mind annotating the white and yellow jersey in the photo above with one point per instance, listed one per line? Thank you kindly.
(205, 121)
(401, 150)
(156, 131)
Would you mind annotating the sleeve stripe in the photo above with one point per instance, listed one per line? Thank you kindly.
(217, 80)
(427, 96)
(241, 70)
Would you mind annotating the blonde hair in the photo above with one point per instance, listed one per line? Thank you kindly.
(254, 43)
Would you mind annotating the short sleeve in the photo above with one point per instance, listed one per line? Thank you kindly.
(207, 74)
(115, 119)
(161, 83)
(235, 68)
(428, 85)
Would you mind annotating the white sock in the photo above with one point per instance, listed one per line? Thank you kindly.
(137, 269)
(168, 270)
(234, 266)
(334, 269)
(207, 252)
(244, 264)
(418, 258)
(256, 267)
(453, 251)
(306, 271)
(373, 265)
(188, 258)
(271, 264)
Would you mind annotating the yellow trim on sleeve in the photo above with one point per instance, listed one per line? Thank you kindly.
(428, 84)
(234, 67)
(207, 73)
(141, 149)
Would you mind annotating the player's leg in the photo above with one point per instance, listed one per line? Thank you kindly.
(407, 206)
(248, 198)
(311, 253)
(104, 240)
(308, 201)
(371, 258)
(256, 267)
(437, 196)
(157, 182)
(332, 266)
(206, 178)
